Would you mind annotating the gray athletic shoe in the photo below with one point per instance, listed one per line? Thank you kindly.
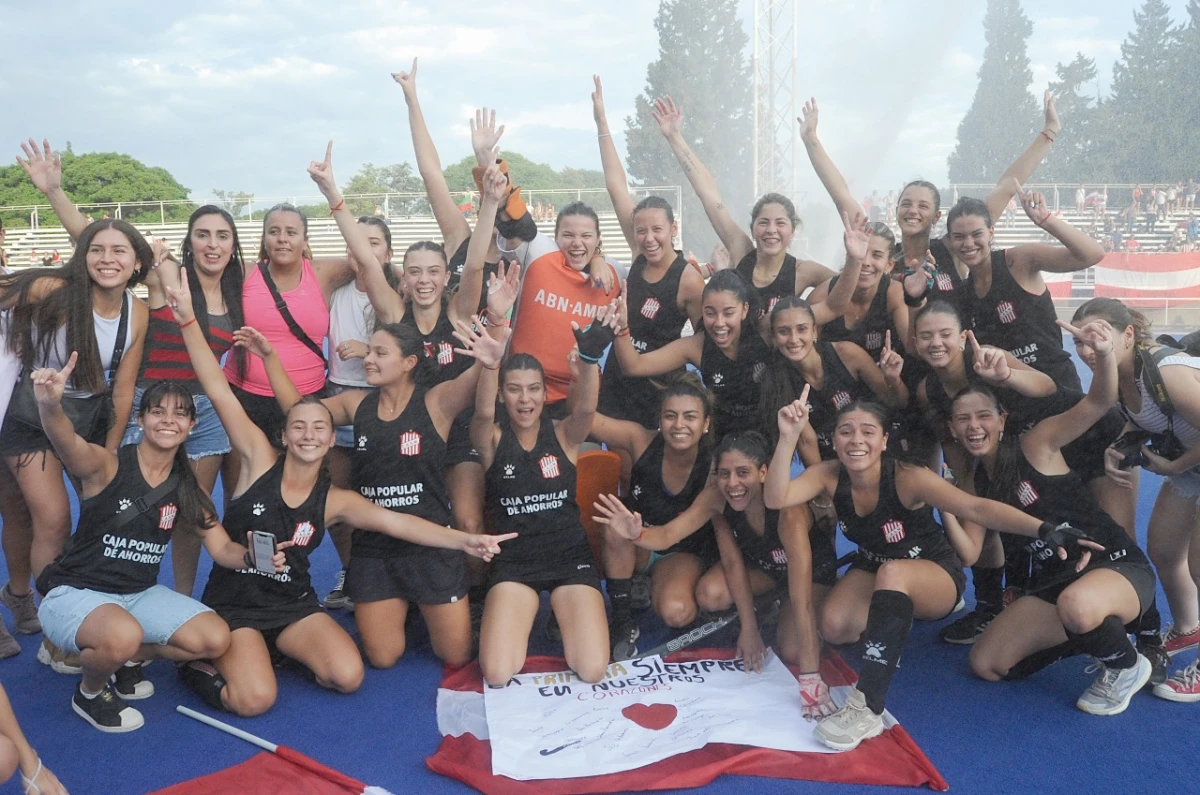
(337, 598)
(8, 644)
(845, 729)
(24, 610)
(59, 661)
(1114, 687)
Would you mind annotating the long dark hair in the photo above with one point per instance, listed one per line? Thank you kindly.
(374, 220)
(781, 381)
(410, 343)
(196, 509)
(232, 279)
(730, 281)
(1002, 484)
(69, 305)
(751, 444)
(1118, 315)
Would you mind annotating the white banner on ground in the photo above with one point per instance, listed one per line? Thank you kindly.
(554, 725)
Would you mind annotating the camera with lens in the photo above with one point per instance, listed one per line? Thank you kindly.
(1134, 445)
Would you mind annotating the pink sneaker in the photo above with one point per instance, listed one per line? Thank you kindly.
(1183, 686)
(1175, 642)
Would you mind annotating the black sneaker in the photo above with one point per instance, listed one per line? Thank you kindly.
(204, 680)
(131, 683)
(967, 629)
(553, 630)
(337, 599)
(1160, 661)
(476, 609)
(623, 635)
(107, 711)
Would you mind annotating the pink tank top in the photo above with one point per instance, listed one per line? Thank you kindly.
(307, 305)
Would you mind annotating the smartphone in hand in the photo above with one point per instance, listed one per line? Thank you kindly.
(262, 550)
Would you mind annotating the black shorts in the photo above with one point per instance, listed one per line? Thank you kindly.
(570, 567)
(94, 419)
(824, 555)
(432, 576)
(946, 558)
(1085, 455)
(265, 412)
(459, 449)
(265, 619)
(1139, 573)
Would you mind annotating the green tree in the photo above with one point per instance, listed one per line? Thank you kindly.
(1073, 156)
(1141, 127)
(1003, 114)
(234, 202)
(1185, 101)
(547, 184)
(396, 178)
(702, 65)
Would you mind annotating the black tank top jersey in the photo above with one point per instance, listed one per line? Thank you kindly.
(764, 551)
(838, 388)
(533, 493)
(1057, 499)
(736, 385)
(871, 330)
(458, 261)
(891, 531)
(655, 319)
(261, 507)
(948, 285)
(439, 346)
(121, 561)
(1009, 317)
(767, 297)
(398, 464)
(648, 494)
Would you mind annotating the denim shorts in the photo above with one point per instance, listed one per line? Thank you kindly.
(207, 438)
(344, 436)
(159, 610)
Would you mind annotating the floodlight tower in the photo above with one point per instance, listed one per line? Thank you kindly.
(776, 93)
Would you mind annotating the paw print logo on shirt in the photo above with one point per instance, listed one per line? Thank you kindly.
(509, 469)
(362, 443)
(259, 509)
(874, 652)
(124, 504)
(718, 378)
(637, 491)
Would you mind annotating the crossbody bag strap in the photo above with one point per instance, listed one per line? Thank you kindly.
(144, 502)
(286, 313)
(122, 332)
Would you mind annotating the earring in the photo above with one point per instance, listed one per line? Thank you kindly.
(1000, 438)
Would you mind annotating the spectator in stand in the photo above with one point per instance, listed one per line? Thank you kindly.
(1137, 195)
(1160, 203)
(890, 206)
(1193, 229)
(539, 212)
(1189, 199)
(34, 258)
(1132, 245)
(876, 210)
(1117, 239)
(1010, 212)
(3, 253)
(1080, 198)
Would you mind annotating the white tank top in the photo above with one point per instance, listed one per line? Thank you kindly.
(1151, 418)
(351, 317)
(106, 338)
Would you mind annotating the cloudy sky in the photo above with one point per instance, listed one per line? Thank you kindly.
(241, 95)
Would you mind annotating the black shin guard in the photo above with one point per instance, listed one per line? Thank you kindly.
(620, 593)
(1042, 659)
(888, 624)
(1108, 643)
(989, 588)
(1149, 626)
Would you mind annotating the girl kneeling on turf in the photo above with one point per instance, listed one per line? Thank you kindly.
(289, 496)
(102, 599)
(904, 569)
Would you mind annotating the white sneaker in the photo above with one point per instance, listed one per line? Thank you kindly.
(1114, 687)
(59, 661)
(845, 729)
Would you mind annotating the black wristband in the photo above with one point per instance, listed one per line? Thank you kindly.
(248, 558)
(915, 302)
(1045, 529)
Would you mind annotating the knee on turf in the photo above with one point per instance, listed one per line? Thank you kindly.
(249, 699)
(838, 628)
(677, 613)
(344, 675)
(713, 596)
(983, 666)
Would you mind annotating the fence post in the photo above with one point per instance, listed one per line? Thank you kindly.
(1056, 199)
(162, 214)
(117, 212)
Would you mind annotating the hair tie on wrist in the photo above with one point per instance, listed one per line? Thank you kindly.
(182, 326)
(337, 206)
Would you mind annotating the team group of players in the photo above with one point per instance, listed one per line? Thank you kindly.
(460, 388)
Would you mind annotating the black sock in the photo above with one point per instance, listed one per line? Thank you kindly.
(203, 679)
(1108, 643)
(619, 595)
(989, 588)
(1043, 659)
(1149, 626)
(888, 624)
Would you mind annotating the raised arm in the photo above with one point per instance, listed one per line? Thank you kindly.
(1054, 433)
(1027, 162)
(822, 163)
(44, 168)
(623, 435)
(1079, 250)
(470, 285)
(779, 489)
(837, 299)
(614, 173)
(483, 422)
(590, 344)
(342, 405)
(90, 463)
(882, 377)
(450, 221)
(611, 512)
(450, 398)
(1000, 368)
(244, 435)
(670, 122)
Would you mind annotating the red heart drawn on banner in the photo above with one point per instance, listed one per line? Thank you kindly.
(655, 717)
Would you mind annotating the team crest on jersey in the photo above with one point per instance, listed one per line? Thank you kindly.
(944, 282)
(759, 369)
(549, 465)
(779, 557)
(893, 531)
(1026, 493)
(1006, 312)
(445, 353)
(841, 398)
(874, 341)
(410, 443)
(304, 533)
(509, 469)
(166, 516)
(650, 308)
